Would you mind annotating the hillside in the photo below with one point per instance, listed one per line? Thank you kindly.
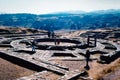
(64, 20)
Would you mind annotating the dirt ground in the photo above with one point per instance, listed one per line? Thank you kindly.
(97, 70)
(10, 71)
(100, 71)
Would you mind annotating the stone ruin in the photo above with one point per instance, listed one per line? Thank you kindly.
(47, 53)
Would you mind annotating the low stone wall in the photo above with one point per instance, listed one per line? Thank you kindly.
(109, 46)
(5, 45)
(61, 40)
(107, 58)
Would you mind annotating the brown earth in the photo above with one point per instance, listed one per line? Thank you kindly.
(97, 70)
(12, 71)
(105, 71)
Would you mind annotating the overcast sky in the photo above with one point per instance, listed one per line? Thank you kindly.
(49, 6)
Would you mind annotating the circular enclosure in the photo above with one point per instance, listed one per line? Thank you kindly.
(56, 44)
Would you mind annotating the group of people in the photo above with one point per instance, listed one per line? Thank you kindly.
(57, 41)
(51, 34)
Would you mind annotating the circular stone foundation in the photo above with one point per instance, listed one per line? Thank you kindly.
(48, 43)
(60, 44)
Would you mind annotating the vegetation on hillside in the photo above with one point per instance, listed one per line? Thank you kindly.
(66, 20)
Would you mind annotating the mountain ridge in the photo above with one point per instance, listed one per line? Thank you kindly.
(63, 20)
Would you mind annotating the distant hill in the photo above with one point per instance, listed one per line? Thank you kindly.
(64, 20)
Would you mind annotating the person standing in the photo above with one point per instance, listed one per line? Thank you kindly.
(87, 59)
(52, 34)
(33, 45)
(58, 41)
(55, 41)
(49, 34)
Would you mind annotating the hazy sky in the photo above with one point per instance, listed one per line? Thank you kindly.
(48, 6)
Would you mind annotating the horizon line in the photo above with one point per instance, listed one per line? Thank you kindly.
(82, 11)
